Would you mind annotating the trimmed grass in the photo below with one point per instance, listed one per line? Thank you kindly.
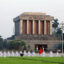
(32, 60)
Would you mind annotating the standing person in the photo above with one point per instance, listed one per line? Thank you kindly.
(41, 51)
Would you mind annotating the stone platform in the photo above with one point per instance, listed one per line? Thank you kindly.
(33, 40)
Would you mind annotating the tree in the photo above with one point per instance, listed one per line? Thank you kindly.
(55, 24)
(63, 36)
(5, 44)
(59, 32)
(59, 46)
(16, 44)
(1, 43)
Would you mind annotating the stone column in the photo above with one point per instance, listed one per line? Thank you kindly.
(39, 27)
(50, 27)
(44, 27)
(27, 26)
(21, 27)
(33, 26)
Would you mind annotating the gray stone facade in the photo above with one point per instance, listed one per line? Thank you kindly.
(33, 40)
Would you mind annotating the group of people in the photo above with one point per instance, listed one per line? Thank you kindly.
(42, 53)
(12, 53)
(7, 54)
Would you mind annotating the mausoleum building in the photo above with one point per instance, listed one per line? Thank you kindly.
(35, 29)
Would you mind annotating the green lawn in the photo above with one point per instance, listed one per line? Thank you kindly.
(32, 60)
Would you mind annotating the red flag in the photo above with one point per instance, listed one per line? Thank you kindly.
(41, 50)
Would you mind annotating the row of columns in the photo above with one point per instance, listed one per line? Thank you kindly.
(39, 27)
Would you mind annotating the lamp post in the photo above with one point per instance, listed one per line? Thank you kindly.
(62, 37)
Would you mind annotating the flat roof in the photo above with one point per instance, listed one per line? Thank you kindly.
(33, 16)
(33, 13)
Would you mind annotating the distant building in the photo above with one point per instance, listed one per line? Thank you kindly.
(35, 29)
(33, 23)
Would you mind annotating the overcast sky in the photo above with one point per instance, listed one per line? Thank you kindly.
(9, 9)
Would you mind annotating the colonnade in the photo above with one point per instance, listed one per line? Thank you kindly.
(36, 27)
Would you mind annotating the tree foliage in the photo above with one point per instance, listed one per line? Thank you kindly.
(1, 43)
(16, 44)
(63, 36)
(59, 32)
(59, 46)
(55, 23)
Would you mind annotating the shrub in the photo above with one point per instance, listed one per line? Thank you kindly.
(16, 44)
